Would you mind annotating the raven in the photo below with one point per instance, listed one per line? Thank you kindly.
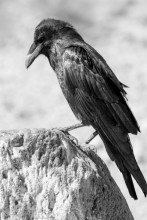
(94, 93)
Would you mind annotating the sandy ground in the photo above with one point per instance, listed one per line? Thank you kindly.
(32, 98)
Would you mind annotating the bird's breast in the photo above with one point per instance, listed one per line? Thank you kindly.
(56, 61)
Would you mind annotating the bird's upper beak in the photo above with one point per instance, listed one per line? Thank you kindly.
(33, 53)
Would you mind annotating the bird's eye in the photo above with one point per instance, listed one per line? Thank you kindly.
(40, 39)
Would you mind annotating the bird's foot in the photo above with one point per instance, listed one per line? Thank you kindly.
(69, 136)
(66, 130)
(73, 139)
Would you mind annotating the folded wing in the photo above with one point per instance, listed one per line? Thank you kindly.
(98, 98)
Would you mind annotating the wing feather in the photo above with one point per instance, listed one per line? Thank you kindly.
(92, 75)
(98, 98)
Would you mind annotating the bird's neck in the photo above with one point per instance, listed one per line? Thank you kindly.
(70, 35)
(66, 38)
(55, 54)
(56, 62)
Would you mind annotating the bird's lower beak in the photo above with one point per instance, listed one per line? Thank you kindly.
(33, 53)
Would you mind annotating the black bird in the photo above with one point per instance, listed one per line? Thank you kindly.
(94, 93)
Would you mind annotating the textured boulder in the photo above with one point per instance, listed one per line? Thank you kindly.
(44, 175)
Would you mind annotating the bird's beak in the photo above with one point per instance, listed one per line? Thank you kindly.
(33, 53)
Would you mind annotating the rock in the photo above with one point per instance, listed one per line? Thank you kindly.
(45, 174)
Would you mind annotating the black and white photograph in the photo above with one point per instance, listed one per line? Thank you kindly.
(73, 110)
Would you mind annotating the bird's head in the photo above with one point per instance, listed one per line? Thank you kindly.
(46, 33)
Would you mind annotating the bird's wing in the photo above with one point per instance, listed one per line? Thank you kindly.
(99, 99)
(99, 60)
(94, 85)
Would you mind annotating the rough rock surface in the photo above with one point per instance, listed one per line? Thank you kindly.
(44, 175)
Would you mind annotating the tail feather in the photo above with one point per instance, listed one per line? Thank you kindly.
(138, 176)
(126, 174)
(125, 161)
(129, 183)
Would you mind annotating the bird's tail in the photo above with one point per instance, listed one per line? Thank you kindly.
(129, 183)
(124, 158)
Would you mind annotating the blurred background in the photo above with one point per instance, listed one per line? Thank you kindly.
(32, 98)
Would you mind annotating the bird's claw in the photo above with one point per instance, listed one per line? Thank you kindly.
(73, 139)
(69, 136)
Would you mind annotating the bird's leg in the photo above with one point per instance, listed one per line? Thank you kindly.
(92, 136)
(70, 128)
